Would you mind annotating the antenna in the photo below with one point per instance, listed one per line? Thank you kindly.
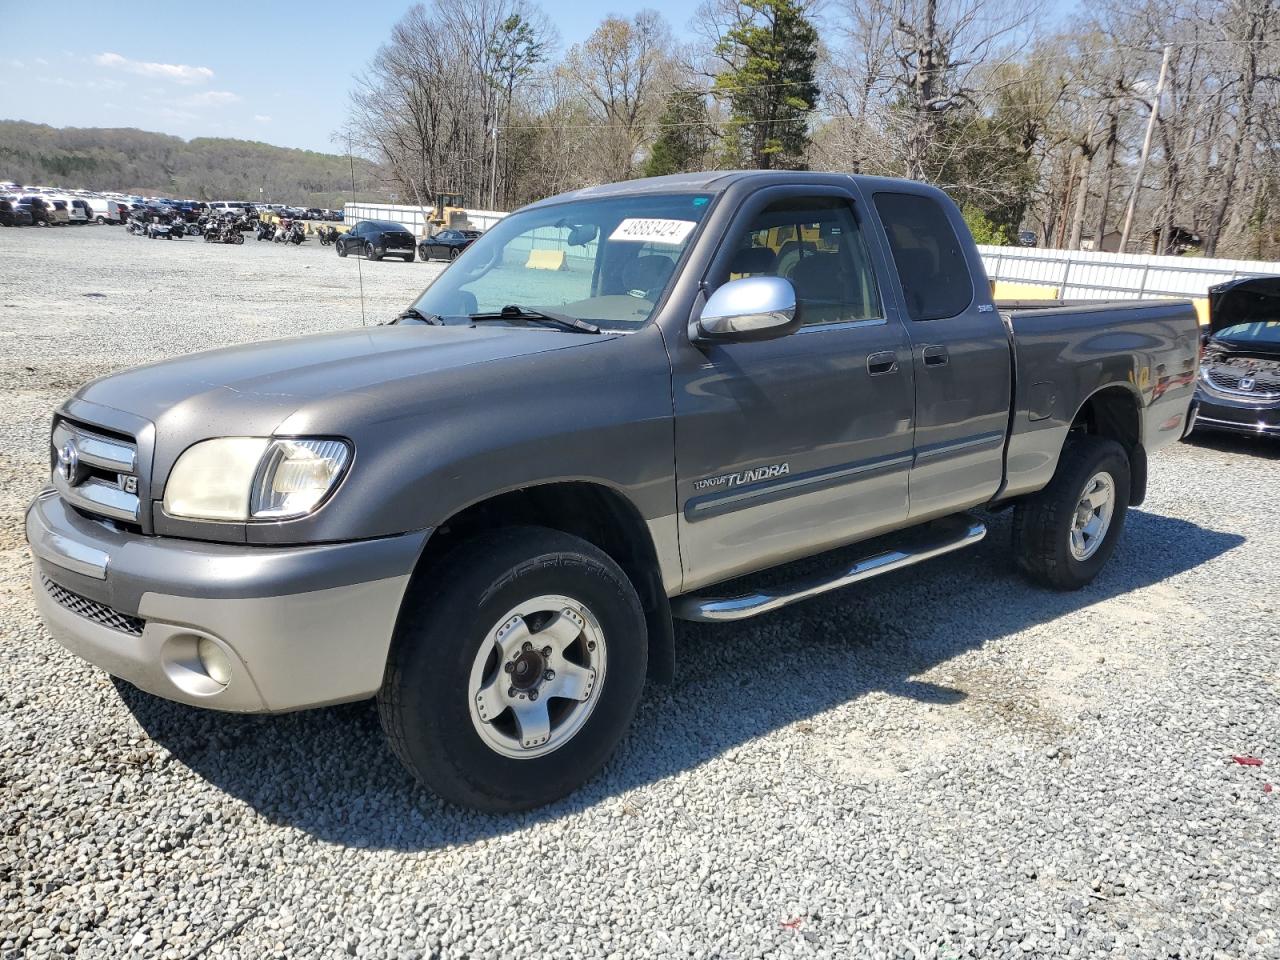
(359, 266)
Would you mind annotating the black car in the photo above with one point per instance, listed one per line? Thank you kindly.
(376, 239)
(15, 213)
(1239, 388)
(447, 244)
(41, 210)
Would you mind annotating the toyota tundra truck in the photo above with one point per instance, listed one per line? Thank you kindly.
(487, 512)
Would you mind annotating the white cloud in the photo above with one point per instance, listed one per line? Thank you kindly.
(261, 118)
(211, 98)
(177, 72)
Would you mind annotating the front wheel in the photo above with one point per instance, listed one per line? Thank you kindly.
(372, 252)
(1064, 535)
(516, 667)
(342, 248)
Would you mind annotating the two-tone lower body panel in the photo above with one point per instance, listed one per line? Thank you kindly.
(295, 626)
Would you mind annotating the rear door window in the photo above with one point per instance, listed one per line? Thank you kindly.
(931, 264)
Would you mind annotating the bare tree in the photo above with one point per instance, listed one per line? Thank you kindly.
(622, 70)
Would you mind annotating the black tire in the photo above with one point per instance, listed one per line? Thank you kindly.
(449, 612)
(422, 255)
(408, 258)
(239, 237)
(1042, 524)
(453, 253)
(372, 253)
(342, 248)
(101, 220)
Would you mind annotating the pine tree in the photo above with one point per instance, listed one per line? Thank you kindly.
(682, 145)
(770, 85)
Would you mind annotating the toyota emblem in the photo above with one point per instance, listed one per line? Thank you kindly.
(69, 461)
(1246, 383)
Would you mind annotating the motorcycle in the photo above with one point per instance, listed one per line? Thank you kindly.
(297, 233)
(327, 235)
(224, 231)
(266, 231)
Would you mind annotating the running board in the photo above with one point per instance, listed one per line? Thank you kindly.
(943, 536)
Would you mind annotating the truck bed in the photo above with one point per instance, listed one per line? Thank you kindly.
(1132, 359)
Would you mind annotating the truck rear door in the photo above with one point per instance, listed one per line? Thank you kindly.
(789, 446)
(960, 353)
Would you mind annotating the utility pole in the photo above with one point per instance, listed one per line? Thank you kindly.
(493, 173)
(1146, 149)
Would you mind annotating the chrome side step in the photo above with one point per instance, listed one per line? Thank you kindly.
(942, 536)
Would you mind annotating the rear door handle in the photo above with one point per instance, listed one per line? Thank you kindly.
(935, 356)
(878, 364)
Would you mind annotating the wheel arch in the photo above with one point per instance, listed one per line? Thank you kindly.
(593, 511)
(1114, 412)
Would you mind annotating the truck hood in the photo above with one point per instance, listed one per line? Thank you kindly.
(251, 390)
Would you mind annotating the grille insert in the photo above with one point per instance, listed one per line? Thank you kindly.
(99, 613)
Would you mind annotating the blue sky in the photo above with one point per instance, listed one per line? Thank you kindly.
(271, 71)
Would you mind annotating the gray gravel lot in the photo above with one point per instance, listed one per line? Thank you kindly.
(943, 763)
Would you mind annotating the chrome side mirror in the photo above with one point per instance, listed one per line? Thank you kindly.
(753, 308)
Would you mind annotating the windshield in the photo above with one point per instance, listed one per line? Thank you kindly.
(1264, 332)
(606, 261)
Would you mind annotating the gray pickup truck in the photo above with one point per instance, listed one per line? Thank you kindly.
(488, 512)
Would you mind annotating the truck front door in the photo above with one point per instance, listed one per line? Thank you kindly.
(789, 446)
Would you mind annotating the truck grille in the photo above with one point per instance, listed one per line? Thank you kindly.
(99, 613)
(96, 472)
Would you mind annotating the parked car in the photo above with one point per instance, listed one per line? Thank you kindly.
(488, 512)
(221, 207)
(447, 244)
(42, 210)
(15, 212)
(1026, 238)
(58, 213)
(1239, 388)
(102, 210)
(376, 239)
(78, 211)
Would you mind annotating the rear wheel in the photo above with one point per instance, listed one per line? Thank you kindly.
(516, 667)
(1064, 535)
(453, 253)
(372, 252)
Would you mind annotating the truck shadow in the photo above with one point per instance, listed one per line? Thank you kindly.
(328, 772)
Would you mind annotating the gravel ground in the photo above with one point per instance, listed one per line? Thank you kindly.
(942, 763)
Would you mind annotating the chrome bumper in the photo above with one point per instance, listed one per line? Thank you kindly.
(300, 626)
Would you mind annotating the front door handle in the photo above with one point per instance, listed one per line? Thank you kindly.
(935, 356)
(878, 364)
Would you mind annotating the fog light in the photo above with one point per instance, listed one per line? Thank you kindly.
(214, 661)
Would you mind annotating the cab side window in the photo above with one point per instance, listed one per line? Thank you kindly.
(815, 243)
(931, 265)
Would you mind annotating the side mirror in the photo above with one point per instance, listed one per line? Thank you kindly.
(753, 308)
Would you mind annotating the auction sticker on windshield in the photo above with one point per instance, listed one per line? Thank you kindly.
(642, 230)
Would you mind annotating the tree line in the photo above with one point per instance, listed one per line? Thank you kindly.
(155, 164)
(1028, 127)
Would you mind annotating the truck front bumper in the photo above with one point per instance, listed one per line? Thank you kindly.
(296, 626)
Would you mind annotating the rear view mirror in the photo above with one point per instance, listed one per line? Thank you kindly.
(582, 234)
(753, 308)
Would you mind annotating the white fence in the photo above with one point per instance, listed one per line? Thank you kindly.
(415, 218)
(1085, 275)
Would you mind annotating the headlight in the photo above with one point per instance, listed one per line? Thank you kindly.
(252, 478)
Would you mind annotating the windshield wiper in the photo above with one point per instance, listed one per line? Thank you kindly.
(413, 313)
(514, 312)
